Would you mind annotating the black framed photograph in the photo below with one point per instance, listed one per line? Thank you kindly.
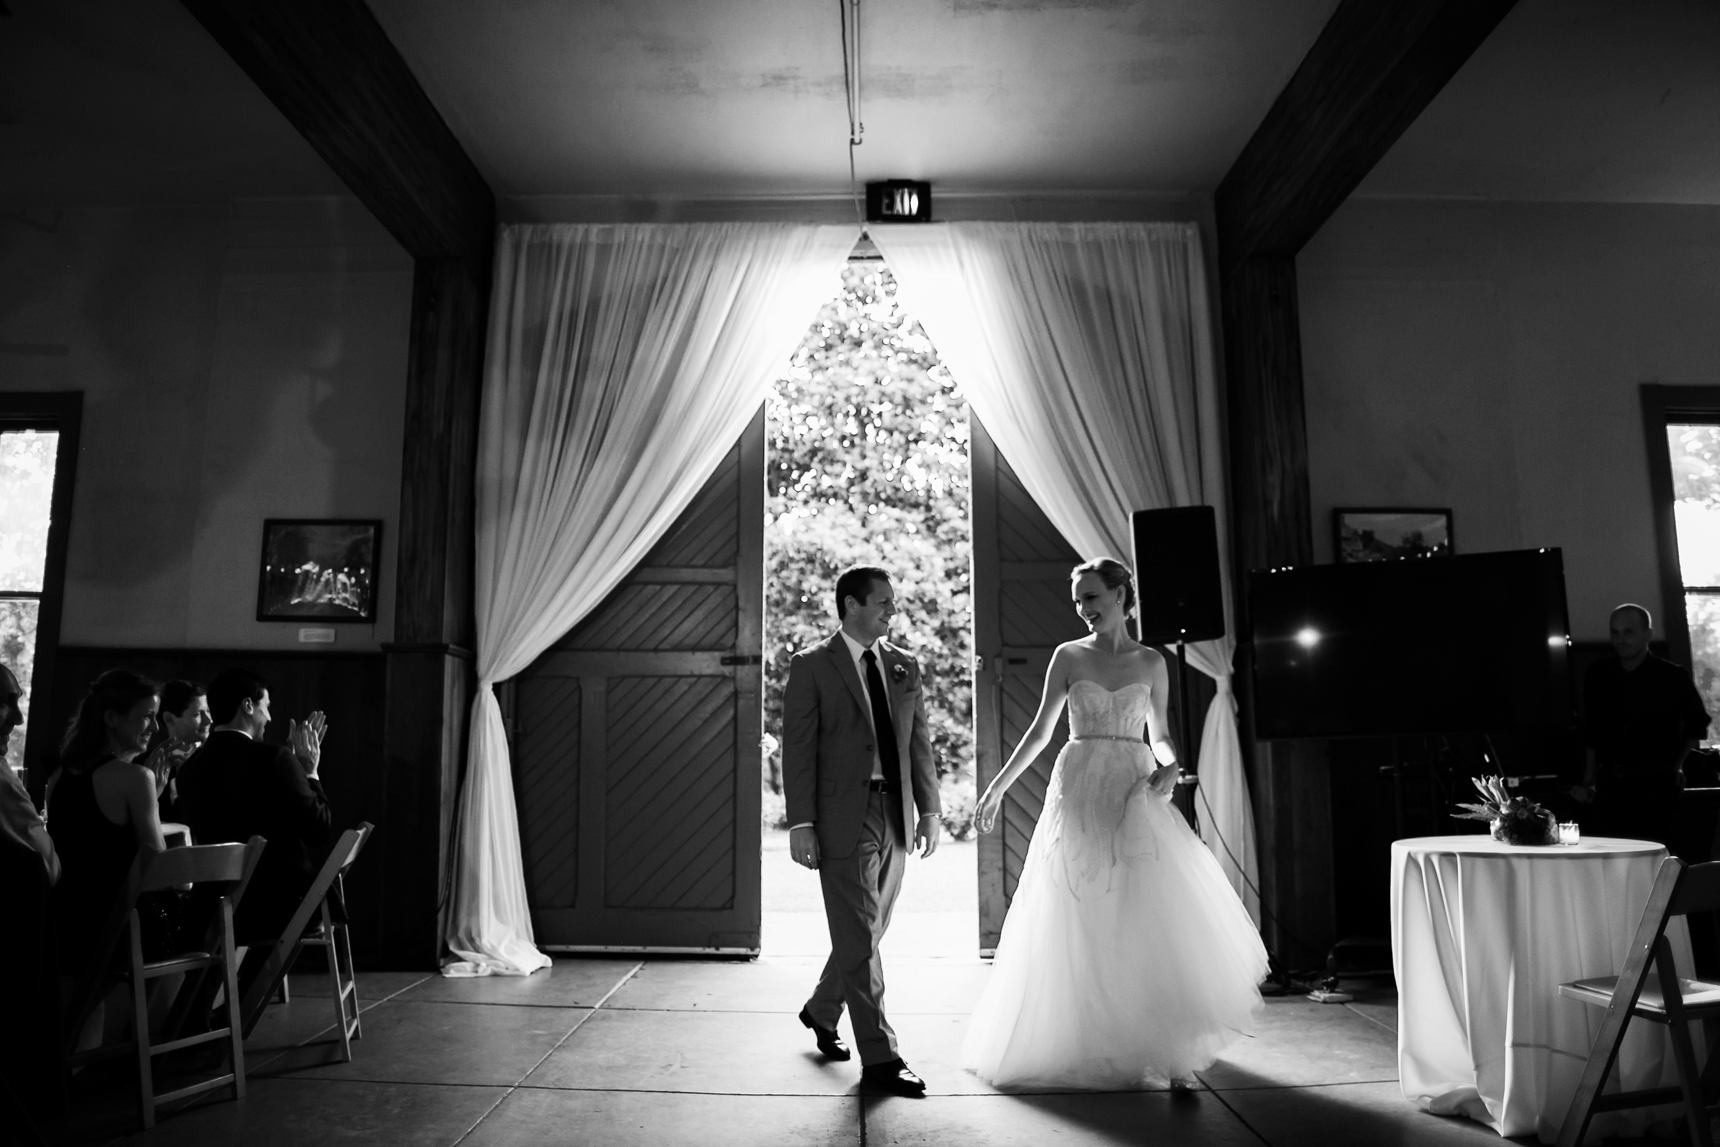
(1374, 534)
(319, 568)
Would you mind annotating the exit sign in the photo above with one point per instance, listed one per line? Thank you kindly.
(899, 201)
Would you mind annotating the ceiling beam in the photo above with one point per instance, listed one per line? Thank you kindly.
(1376, 65)
(332, 71)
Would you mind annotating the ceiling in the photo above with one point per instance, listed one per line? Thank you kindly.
(1574, 100)
(130, 101)
(746, 97)
(119, 101)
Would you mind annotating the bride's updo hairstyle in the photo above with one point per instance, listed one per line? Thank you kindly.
(1115, 575)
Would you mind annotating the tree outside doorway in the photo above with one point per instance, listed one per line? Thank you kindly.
(867, 464)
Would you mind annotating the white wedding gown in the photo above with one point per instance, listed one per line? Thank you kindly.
(1126, 959)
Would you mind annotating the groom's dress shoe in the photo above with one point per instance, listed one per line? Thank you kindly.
(894, 1077)
(828, 1041)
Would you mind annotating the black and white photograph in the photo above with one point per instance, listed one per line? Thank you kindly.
(859, 573)
(1386, 535)
(318, 569)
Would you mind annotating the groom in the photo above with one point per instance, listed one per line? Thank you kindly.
(854, 747)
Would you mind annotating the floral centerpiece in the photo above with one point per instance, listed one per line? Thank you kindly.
(1514, 820)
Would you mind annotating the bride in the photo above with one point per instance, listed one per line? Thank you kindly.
(1126, 959)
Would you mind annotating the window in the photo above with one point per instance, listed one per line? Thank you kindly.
(1683, 426)
(26, 505)
(38, 445)
(1694, 452)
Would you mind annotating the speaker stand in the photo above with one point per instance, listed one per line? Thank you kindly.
(1183, 797)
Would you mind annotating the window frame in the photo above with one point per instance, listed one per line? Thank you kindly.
(1664, 405)
(61, 412)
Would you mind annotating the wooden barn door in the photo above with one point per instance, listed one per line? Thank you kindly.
(1021, 613)
(636, 741)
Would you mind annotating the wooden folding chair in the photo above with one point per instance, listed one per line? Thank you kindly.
(1649, 988)
(223, 869)
(334, 940)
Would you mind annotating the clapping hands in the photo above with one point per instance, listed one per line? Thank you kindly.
(161, 764)
(306, 740)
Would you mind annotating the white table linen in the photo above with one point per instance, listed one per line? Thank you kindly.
(1483, 934)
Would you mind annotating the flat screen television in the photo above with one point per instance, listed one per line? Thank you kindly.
(1478, 643)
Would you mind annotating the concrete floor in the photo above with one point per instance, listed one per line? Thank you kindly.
(668, 1052)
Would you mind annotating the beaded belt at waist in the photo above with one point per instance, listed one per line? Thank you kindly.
(1105, 737)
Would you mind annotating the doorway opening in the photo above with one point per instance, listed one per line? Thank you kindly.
(867, 463)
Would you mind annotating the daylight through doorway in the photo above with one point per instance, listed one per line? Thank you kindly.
(867, 463)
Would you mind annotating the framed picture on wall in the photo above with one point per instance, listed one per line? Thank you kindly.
(1370, 534)
(319, 568)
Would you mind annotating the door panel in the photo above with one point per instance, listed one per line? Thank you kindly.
(637, 736)
(1023, 678)
(1021, 614)
(669, 820)
(548, 790)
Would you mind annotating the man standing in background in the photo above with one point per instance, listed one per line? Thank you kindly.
(1641, 717)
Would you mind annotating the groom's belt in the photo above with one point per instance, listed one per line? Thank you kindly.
(881, 785)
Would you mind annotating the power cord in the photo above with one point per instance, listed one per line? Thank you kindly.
(846, 10)
(1284, 977)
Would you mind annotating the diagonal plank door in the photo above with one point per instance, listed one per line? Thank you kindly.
(1022, 612)
(636, 741)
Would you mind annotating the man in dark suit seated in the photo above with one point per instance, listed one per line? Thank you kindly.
(236, 787)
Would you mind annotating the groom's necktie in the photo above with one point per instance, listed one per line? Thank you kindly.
(881, 725)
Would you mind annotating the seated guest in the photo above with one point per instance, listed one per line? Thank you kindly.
(101, 807)
(29, 1057)
(19, 820)
(236, 787)
(100, 812)
(182, 727)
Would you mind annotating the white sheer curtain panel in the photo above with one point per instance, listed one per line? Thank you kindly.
(1086, 349)
(623, 362)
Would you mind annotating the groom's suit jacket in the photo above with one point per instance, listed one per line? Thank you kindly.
(827, 743)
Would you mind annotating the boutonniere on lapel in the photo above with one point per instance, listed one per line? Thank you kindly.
(898, 673)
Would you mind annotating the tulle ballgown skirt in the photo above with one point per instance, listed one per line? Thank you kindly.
(1126, 960)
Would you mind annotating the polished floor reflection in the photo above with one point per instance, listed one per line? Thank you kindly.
(614, 1052)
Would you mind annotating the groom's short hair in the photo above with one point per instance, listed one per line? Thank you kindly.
(856, 582)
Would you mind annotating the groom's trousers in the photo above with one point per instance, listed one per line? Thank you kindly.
(859, 893)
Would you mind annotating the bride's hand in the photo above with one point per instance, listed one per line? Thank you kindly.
(1163, 780)
(985, 815)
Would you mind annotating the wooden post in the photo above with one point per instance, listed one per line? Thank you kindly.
(332, 71)
(1271, 516)
(431, 661)
(1371, 72)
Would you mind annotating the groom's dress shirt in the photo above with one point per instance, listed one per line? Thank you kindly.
(857, 651)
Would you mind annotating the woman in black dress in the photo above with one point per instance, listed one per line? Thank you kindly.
(101, 810)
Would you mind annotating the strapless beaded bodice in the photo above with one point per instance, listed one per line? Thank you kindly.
(1095, 711)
